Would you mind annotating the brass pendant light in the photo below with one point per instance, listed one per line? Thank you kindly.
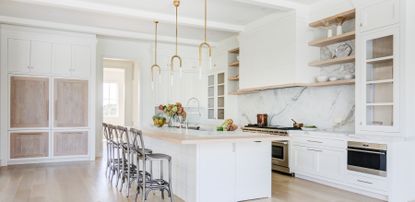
(176, 4)
(205, 43)
(155, 65)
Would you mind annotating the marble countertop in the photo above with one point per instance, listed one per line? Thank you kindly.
(183, 136)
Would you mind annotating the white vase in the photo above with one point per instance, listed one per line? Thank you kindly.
(329, 33)
(339, 30)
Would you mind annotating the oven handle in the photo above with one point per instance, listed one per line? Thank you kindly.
(366, 151)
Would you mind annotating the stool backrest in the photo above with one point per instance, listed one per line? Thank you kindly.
(112, 133)
(105, 131)
(138, 140)
(122, 134)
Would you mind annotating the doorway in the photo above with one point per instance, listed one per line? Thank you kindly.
(117, 92)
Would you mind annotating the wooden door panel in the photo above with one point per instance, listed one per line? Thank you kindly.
(71, 103)
(70, 143)
(29, 145)
(29, 102)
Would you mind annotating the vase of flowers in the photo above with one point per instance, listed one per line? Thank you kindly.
(175, 113)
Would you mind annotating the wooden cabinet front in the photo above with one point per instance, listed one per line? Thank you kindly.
(29, 102)
(71, 103)
(70, 143)
(29, 144)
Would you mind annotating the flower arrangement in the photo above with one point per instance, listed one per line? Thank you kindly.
(174, 110)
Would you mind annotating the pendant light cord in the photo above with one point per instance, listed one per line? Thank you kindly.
(205, 20)
(155, 43)
(177, 27)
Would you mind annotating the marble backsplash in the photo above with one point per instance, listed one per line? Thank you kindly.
(329, 108)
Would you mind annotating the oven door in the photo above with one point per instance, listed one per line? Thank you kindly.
(370, 161)
(280, 153)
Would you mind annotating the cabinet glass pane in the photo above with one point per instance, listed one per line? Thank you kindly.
(221, 113)
(211, 80)
(29, 144)
(29, 102)
(380, 47)
(221, 78)
(71, 103)
(211, 92)
(379, 115)
(380, 70)
(380, 93)
(211, 114)
(221, 102)
(221, 90)
(70, 143)
(211, 103)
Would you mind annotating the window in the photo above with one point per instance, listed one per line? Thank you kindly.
(110, 102)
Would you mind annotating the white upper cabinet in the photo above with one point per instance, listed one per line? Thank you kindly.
(378, 79)
(18, 55)
(29, 56)
(40, 56)
(380, 14)
(81, 61)
(62, 62)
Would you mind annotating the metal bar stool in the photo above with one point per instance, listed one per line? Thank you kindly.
(117, 158)
(146, 185)
(108, 148)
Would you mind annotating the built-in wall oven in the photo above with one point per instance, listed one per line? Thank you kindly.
(369, 158)
(280, 156)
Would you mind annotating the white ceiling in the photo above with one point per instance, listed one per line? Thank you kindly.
(225, 17)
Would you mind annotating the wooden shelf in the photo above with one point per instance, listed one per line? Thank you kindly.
(351, 14)
(234, 64)
(380, 81)
(332, 40)
(379, 60)
(234, 51)
(379, 104)
(294, 85)
(322, 63)
(233, 78)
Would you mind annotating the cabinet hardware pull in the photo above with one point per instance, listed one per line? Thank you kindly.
(258, 141)
(366, 182)
(316, 150)
(313, 141)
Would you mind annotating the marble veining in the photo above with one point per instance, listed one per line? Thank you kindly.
(329, 108)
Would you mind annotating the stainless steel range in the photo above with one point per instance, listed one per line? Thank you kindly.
(280, 149)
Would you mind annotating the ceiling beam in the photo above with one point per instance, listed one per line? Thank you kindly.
(135, 13)
(276, 4)
(95, 30)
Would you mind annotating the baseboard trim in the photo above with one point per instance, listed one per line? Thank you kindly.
(344, 187)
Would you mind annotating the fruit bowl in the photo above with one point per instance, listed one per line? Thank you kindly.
(159, 121)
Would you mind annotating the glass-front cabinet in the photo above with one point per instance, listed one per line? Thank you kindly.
(378, 74)
(216, 96)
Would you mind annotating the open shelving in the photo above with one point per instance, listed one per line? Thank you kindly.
(342, 60)
(334, 39)
(348, 15)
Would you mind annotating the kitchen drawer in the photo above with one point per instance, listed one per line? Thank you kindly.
(368, 182)
(319, 142)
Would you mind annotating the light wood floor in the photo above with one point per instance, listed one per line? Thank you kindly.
(85, 182)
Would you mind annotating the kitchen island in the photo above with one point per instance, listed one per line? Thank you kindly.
(216, 166)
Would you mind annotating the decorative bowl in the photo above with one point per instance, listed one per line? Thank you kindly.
(322, 78)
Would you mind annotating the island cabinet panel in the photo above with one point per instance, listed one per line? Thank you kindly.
(70, 143)
(71, 103)
(216, 174)
(29, 144)
(29, 102)
(253, 157)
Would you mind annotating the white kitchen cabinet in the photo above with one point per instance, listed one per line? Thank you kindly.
(304, 160)
(71, 60)
(377, 83)
(26, 56)
(18, 55)
(319, 162)
(252, 157)
(61, 59)
(81, 61)
(378, 15)
(40, 57)
(216, 95)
